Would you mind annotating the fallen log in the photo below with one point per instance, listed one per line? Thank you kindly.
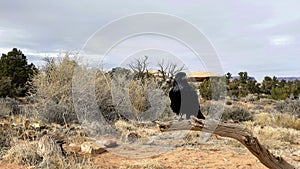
(235, 131)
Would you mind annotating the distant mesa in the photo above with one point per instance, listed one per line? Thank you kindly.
(201, 76)
(278, 78)
(288, 78)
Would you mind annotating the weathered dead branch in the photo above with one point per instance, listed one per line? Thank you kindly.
(235, 131)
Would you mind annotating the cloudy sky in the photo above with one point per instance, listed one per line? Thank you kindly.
(260, 37)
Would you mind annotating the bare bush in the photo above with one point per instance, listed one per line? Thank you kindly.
(169, 70)
(104, 96)
(139, 99)
(9, 106)
(52, 91)
(135, 95)
(140, 67)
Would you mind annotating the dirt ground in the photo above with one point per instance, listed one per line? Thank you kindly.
(201, 156)
(207, 156)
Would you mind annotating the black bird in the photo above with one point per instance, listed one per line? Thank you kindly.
(184, 99)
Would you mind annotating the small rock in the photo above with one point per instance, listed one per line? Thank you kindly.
(92, 148)
(72, 148)
(296, 153)
(110, 143)
(296, 156)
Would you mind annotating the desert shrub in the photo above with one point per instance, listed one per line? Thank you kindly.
(215, 110)
(279, 93)
(250, 98)
(191, 138)
(117, 94)
(23, 153)
(205, 89)
(52, 91)
(139, 99)
(278, 119)
(5, 108)
(104, 95)
(204, 107)
(213, 89)
(124, 126)
(276, 138)
(75, 162)
(257, 107)
(147, 98)
(287, 121)
(265, 101)
(236, 113)
(7, 135)
(273, 137)
(291, 106)
(9, 106)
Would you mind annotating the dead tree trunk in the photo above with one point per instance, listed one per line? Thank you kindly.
(238, 132)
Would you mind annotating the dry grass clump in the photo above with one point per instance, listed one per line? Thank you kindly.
(69, 163)
(124, 126)
(73, 162)
(191, 138)
(279, 120)
(145, 164)
(7, 135)
(26, 153)
(274, 137)
(23, 153)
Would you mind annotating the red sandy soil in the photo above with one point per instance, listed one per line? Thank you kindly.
(203, 156)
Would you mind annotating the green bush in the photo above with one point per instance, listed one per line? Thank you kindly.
(213, 88)
(279, 93)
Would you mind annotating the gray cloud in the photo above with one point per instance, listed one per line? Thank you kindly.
(241, 31)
